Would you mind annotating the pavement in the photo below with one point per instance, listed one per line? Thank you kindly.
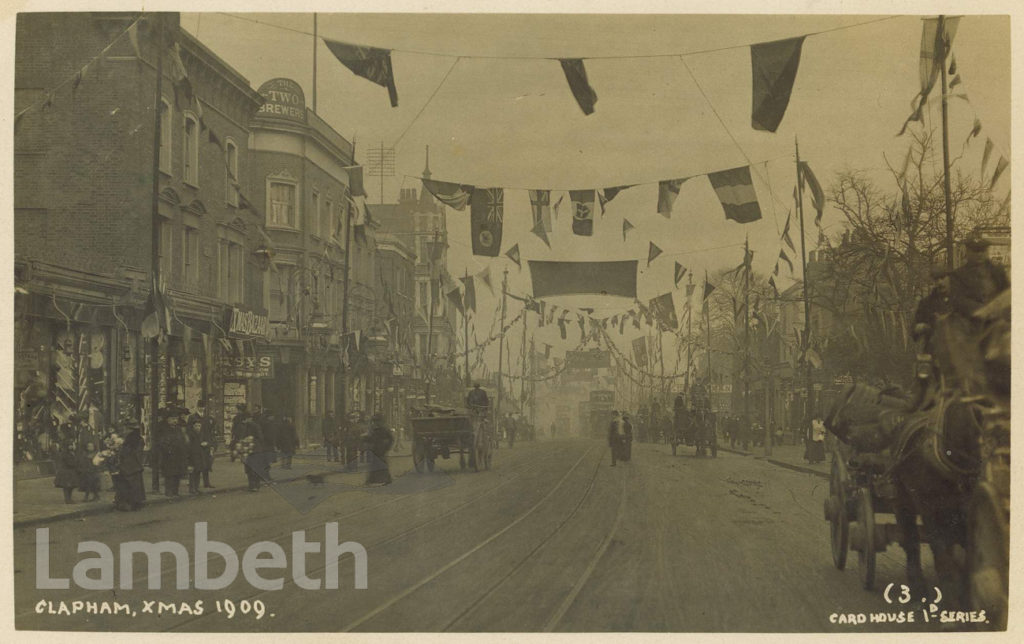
(552, 538)
(788, 456)
(37, 501)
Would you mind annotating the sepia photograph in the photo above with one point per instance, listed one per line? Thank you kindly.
(508, 322)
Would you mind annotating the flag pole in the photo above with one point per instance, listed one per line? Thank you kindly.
(314, 60)
(809, 408)
(501, 347)
(941, 55)
(465, 331)
(430, 324)
(707, 313)
(746, 335)
(342, 400)
(154, 343)
(689, 335)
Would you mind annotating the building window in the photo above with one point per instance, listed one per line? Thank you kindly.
(325, 219)
(165, 137)
(315, 224)
(190, 256)
(166, 250)
(231, 154)
(190, 151)
(282, 204)
(280, 294)
(231, 272)
(423, 302)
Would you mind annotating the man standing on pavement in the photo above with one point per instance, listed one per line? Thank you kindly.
(627, 438)
(288, 440)
(207, 437)
(615, 436)
(379, 442)
(237, 427)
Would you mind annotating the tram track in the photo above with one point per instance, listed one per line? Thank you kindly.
(534, 466)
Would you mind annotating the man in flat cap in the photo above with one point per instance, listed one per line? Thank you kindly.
(978, 280)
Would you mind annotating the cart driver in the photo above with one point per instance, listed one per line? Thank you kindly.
(477, 400)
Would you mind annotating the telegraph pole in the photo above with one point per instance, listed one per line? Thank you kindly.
(809, 409)
(154, 343)
(465, 333)
(501, 345)
(689, 335)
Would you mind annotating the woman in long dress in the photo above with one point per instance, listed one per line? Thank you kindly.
(129, 489)
(379, 442)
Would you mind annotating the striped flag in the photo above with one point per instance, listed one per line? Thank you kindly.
(735, 190)
(450, 194)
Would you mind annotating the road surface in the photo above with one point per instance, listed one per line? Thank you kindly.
(551, 539)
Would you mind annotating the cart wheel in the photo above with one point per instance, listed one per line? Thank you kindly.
(418, 456)
(866, 555)
(838, 518)
(988, 556)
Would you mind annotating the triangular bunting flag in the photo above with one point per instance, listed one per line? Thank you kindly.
(538, 230)
(708, 287)
(513, 254)
(773, 66)
(540, 203)
(678, 273)
(626, 227)
(998, 172)
(455, 298)
(581, 89)
(771, 282)
(930, 66)
(485, 277)
(783, 257)
(558, 205)
(986, 154)
(652, 253)
(975, 131)
(470, 297)
(785, 234)
(368, 62)
(667, 192)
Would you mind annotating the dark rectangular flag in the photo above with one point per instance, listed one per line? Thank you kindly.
(369, 62)
(578, 83)
(735, 190)
(773, 68)
(663, 309)
(470, 297)
(599, 278)
(486, 214)
(582, 212)
(817, 194)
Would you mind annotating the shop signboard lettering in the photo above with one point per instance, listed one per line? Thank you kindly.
(593, 359)
(246, 325)
(283, 98)
(245, 367)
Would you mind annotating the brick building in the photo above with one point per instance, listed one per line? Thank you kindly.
(84, 216)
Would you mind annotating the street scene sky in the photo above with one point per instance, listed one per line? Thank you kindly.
(674, 93)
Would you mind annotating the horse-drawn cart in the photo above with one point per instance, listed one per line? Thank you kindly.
(444, 432)
(696, 427)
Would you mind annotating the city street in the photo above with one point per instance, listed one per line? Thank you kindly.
(552, 538)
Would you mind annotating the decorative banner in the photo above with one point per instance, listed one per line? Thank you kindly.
(783, 257)
(785, 234)
(929, 67)
(817, 194)
(513, 254)
(663, 309)
(486, 213)
(735, 191)
(652, 253)
(368, 62)
(668, 190)
(626, 227)
(538, 230)
(581, 89)
(640, 351)
(590, 359)
(678, 273)
(998, 172)
(485, 277)
(582, 212)
(773, 66)
(456, 300)
(355, 180)
(450, 194)
(540, 202)
(598, 278)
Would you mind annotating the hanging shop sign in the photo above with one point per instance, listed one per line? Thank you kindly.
(244, 367)
(245, 324)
